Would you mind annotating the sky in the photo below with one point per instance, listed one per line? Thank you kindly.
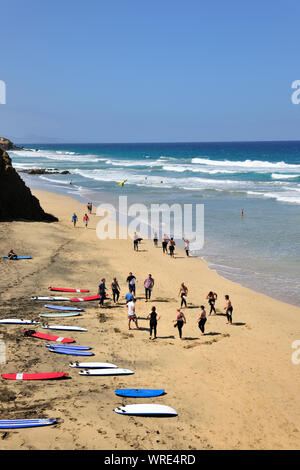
(149, 71)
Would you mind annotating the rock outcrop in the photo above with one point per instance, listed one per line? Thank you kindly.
(16, 200)
(44, 171)
(6, 144)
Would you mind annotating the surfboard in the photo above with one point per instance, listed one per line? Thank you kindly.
(68, 346)
(64, 328)
(93, 365)
(19, 257)
(147, 409)
(71, 352)
(18, 321)
(50, 298)
(36, 376)
(139, 392)
(66, 309)
(85, 299)
(60, 289)
(59, 315)
(24, 423)
(59, 339)
(110, 371)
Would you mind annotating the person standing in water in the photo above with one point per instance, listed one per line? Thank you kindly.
(179, 322)
(212, 297)
(153, 316)
(228, 310)
(74, 219)
(183, 292)
(202, 319)
(148, 284)
(115, 290)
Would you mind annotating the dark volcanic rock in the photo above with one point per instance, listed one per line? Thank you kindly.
(44, 171)
(16, 200)
(6, 144)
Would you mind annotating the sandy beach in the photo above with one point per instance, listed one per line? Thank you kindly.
(234, 388)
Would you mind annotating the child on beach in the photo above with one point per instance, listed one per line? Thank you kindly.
(212, 297)
(179, 322)
(86, 220)
(202, 319)
(183, 292)
(148, 284)
(131, 314)
(74, 219)
(228, 310)
(153, 316)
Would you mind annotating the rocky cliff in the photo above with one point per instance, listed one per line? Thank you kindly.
(7, 144)
(16, 200)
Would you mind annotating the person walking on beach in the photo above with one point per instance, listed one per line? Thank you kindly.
(228, 310)
(90, 207)
(74, 219)
(179, 322)
(212, 297)
(136, 242)
(131, 314)
(155, 239)
(187, 247)
(148, 284)
(202, 319)
(131, 279)
(129, 296)
(102, 292)
(86, 220)
(153, 316)
(183, 292)
(115, 290)
(164, 244)
(172, 247)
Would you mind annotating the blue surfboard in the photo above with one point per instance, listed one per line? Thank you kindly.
(139, 392)
(71, 352)
(67, 346)
(24, 423)
(20, 257)
(65, 309)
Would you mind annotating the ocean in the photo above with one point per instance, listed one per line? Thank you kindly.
(260, 250)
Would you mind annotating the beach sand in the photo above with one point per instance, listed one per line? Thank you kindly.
(234, 388)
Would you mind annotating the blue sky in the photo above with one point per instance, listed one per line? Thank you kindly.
(146, 71)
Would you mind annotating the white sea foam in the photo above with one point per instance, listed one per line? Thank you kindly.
(247, 164)
(278, 176)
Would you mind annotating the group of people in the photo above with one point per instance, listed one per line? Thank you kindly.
(85, 217)
(168, 244)
(153, 316)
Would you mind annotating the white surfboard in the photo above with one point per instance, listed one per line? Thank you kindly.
(115, 371)
(60, 315)
(18, 321)
(147, 409)
(50, 298)
(63, 327)
(93, 365)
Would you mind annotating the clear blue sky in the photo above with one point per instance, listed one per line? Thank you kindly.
(149, 70)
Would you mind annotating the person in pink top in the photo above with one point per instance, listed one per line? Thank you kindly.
(86, 220)
(148, 284)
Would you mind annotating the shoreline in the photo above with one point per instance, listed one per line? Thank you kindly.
(234, 388)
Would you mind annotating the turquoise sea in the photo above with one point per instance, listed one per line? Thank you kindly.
(260, 250)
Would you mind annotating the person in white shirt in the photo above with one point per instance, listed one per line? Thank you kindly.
(131, 314)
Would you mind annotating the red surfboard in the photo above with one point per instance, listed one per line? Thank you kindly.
(59, 339)
(86, 299)
(60, 289)
(37, 376)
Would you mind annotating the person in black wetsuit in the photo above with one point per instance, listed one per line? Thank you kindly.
(228, 309)
(115, 290)
(153, 316)
(179, 322)
(212, 297)
(101, 292)
(202, 319)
